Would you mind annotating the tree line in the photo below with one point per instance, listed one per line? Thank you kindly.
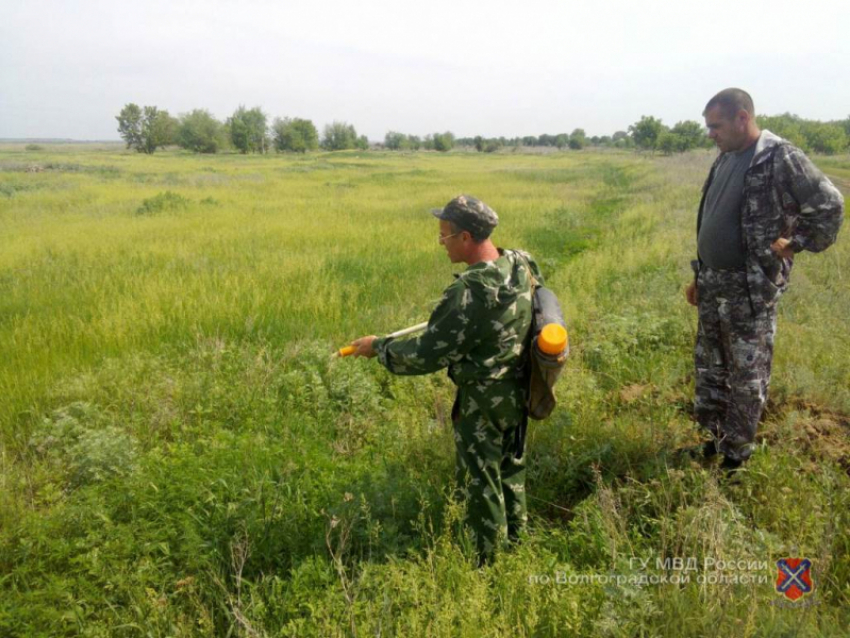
(812, 136)
(148, 128)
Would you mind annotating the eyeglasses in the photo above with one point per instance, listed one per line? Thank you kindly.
(442, 238)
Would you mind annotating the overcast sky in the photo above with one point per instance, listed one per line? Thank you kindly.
(67, 67)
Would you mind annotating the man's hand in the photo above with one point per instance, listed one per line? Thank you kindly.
(691, 293)
(363, 347)
(780, 247)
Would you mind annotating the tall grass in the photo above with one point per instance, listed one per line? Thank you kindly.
(180, 456)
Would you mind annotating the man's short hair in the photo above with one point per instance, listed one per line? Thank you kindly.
(730, 102)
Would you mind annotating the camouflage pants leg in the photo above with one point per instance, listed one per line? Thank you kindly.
(488, 423)
(733, 356)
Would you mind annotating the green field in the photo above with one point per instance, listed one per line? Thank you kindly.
(180, 455)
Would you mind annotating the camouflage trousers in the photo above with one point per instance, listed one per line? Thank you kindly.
(733, 356)
(489, 427)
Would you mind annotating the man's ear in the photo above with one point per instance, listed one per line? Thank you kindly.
(742, 118)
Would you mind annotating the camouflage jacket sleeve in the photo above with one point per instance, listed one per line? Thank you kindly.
(532, 265)
(819, 202)
(444, 341)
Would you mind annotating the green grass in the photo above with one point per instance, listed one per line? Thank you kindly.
(179, 456)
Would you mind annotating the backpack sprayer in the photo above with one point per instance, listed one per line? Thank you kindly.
(545, 359)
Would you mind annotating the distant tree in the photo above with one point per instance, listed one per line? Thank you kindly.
(444, 142)
(578, 139)
(130, 126)
(681, 138)
(414, 142)
(396, 141)
(339, 136)
(845, 124)
(146, 129)
(645, 132)
(621, 139)
(247, 129)
(786, 125)
(691, 134)
(529, 140)
(824, 137)
(362, 143)
(294, 134)
(200, 132)
(562, 140)
(546, 140)
(605, 140)
(668, 143)
(484, 145)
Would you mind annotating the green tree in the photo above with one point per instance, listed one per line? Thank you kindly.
(362, 143)
(546, 140)
(247, 129)
(621, 139)
(200, 132)
(845, 124)
(562, 140)
(130, 126)
(396, 141)
(294, 134)
(645, 132)
(681, 138)
(339, 136)
(786, 125)
(691, 134)
(146, 129)
(668, 143)
(578, 139)
(443, 142)
(825, 137)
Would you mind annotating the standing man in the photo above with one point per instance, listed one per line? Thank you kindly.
(763, 202)
(479, 331)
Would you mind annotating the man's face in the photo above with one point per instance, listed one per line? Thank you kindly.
(730, 134)
(452, 240)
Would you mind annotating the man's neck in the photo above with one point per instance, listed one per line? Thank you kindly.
(752, 137)
(485, 251)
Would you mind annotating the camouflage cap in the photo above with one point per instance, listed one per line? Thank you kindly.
(470, 214)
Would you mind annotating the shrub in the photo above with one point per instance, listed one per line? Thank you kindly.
(163, 202)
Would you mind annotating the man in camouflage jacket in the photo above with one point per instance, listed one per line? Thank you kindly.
(763, 202)
(479, 331)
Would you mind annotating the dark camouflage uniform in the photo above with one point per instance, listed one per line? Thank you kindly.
(785, 195)
(479, 331)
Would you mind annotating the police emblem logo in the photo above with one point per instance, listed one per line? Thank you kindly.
(794, 577)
